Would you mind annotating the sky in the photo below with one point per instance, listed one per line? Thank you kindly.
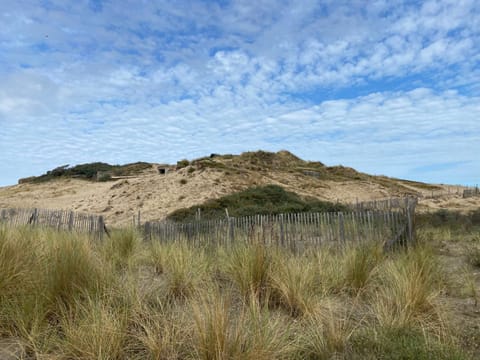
(385, 87)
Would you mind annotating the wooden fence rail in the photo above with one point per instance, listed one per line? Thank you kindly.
(58, 219)
(295, 231)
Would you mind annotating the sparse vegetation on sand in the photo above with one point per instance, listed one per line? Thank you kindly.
(89, 172)
(65, 296)
(157, 188)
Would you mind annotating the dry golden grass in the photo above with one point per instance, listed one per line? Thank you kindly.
(64, 296)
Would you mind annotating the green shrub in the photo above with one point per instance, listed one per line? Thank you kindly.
(269, 199)
(182, 163)
(89, 171)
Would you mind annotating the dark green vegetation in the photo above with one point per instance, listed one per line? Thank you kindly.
(269, 199)
(182, 163)
(89, 172)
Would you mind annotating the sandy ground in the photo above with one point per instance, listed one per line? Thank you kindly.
(452, 202)
(155, 195)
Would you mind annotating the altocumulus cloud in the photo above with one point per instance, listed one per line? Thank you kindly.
(389, 88)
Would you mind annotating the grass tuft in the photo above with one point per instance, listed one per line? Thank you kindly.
(250, 332)
(326, 333)
(120, 249)
(410, 286)
(94, 330)
(249, 267)
(163, 332)
(360, 263)
(473, 252)
(293, 284)
(186, 270)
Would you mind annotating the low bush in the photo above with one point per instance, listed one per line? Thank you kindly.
(182, 163)
(89, 171)
(269, 199)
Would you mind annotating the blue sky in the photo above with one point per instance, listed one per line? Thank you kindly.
(386, 87)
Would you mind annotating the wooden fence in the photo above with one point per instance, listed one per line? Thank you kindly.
(57, 219)
(295, 231)
(442, 194)
(470, 192)
(388, 204)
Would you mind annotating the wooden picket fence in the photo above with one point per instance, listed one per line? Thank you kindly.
(57, 219)
(388, 204)
(471, 192)
(391, 221)
(296, 231)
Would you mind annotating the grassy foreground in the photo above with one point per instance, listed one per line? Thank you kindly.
(63, 296)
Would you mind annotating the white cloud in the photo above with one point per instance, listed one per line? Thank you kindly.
(160, 81)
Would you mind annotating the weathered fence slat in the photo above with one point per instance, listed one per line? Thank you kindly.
(391, 222)
(56, 219)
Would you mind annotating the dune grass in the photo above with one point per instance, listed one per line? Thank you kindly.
(65, 296)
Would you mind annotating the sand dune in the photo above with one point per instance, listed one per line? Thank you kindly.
(155, 195)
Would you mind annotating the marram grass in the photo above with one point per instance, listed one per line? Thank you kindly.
(65, 296)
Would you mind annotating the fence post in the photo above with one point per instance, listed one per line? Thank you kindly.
(100, 229)
(231, 230)
(282, 235)
(341, 226)
(147, 232)
(34, 218)
(71, 215)
(411, 219)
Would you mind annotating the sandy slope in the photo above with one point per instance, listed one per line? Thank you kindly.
(153, 195)
(156, 195)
